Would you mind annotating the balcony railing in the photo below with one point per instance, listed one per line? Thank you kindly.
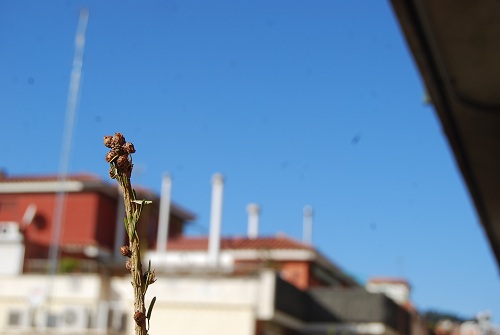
(66, 265)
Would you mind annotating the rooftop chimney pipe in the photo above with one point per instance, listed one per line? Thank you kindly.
(163, 221)
(308, 222)
(215, 220)
(253, 211)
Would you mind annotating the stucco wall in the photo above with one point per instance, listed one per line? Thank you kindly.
(47, 294)
(204, 304)
(188, 305)
(195, 319)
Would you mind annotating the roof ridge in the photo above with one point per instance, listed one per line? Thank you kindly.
(79, 176)
(239, 242)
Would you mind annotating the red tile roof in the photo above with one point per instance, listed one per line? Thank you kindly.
(388, 280)
(201, 243)
(45, 178)
(81, 176)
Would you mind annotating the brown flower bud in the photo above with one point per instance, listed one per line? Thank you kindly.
(128, 148)
(108, 141)
(139, 317)
(122, 163)
(117, 151)
(125, 250)
(109, 156)
(112, 174)
(128, 265)
(118, 140)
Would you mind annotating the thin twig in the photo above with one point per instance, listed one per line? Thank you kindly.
(120, 159)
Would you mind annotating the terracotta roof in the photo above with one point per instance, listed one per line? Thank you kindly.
(201, 243)
(46, 178)
(389, 280)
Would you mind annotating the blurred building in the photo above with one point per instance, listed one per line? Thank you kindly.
(398, 289)
(242, 285)
(91, 228)
(480, 325)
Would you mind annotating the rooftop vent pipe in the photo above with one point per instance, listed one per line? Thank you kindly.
(308, 222)
(163, 221)
(215, 220)
(253, 211)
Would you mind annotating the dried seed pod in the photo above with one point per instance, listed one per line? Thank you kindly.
(117, 151)
(128, 148)
(139, 317)
(125, 250)
(109, 156)
(108, 141)
(122, 163)
(118, 140)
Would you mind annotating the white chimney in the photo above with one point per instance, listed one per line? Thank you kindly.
(253, 220)
(308, 222)
(163, 221)
(215, 220)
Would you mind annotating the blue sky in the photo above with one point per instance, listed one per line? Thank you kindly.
(297, 103)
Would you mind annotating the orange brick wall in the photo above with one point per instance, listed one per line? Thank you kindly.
(296, 272)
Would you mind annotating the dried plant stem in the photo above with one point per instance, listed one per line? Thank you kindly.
(120, 160)
(135, 257)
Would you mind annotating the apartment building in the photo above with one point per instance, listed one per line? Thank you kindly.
(250, 285)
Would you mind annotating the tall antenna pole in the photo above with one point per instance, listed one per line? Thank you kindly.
(71, 109)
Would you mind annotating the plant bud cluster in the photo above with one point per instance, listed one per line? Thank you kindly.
(119, 154)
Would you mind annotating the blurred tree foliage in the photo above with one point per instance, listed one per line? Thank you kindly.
(432, 317)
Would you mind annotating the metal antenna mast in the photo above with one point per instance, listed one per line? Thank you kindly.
(71, 109)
